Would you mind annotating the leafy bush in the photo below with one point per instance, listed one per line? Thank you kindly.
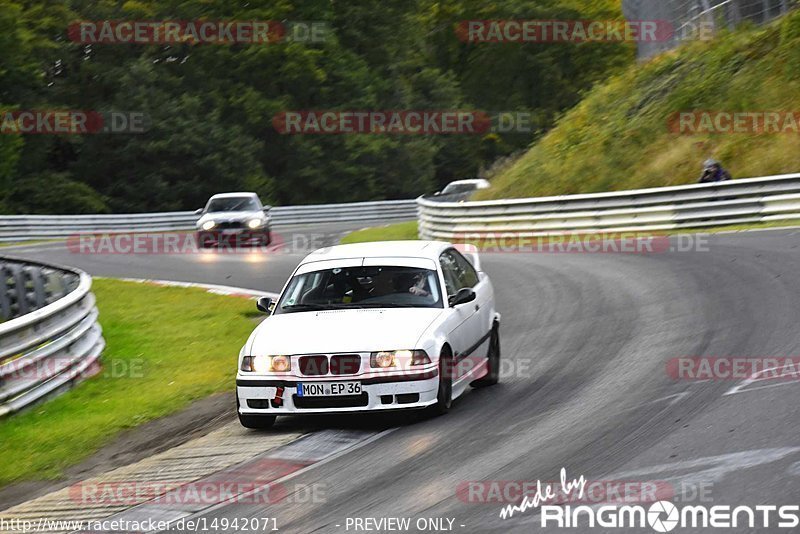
(210, 107)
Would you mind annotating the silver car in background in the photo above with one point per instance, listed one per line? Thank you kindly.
(233, 219)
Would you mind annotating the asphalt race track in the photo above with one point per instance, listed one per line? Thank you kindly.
(586, 339)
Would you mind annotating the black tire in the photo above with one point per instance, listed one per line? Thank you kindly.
(258, 422)
(444, 397)
(493, 376)
(204, 241)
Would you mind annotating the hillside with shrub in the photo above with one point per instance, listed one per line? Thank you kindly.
(619, 136)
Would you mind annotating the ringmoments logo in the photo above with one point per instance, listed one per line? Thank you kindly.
(660, 516)
(664, 516)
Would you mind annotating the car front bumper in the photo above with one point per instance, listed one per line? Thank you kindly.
(266, 396)
(234, 237)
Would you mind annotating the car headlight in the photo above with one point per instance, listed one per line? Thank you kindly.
(208, 225)
(254, 223)
(382, 360)
(261, 364)
(398, 358)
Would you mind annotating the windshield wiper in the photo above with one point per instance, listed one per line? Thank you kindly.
(306, 306)
(376, 305)
(343, 306)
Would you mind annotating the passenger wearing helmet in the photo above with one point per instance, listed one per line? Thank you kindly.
(713, 172)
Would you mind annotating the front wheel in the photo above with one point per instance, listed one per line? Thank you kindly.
(259, 422)
(444, 397)
(204, 240)
(493, 375)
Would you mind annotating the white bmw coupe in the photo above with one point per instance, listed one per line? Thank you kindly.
(371, 327)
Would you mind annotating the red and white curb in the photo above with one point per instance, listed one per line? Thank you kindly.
(262, 475)
(211, 288)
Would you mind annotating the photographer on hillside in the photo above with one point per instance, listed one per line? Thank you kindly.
(713, 172)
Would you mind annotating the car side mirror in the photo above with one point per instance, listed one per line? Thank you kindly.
(266, 209)
(463, 296)
(198, 212)
(264, 304)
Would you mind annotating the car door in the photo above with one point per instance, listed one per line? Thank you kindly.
(480, 283)
(465, 334)
(484, 302)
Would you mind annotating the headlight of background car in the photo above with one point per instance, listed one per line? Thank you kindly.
(398, 358)
(254, 223)
(261, 364)
(208, 225)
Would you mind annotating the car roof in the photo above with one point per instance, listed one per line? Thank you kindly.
(469, 182)
(383, 249)
(233, 195)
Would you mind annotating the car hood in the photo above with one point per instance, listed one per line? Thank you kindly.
(332, 331)
(230, 216)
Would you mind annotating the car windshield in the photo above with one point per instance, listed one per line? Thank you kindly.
(361, 287)
(232, 204)
(458, 188)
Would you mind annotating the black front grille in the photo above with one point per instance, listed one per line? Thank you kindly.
(345, 364)
(355, 401)
(313, 365)
(408, 398)
(229, 225)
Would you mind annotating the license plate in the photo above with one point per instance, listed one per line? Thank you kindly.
(230, 232)
(328, 389)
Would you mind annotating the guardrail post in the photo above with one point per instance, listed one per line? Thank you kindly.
(36, 296)
(19, 303)
(6, 285)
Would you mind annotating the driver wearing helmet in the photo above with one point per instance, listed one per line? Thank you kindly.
(713, 172)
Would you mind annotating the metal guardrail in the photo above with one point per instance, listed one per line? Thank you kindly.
(26, 227)
(50, 339)
(752, 200)
(695, 19)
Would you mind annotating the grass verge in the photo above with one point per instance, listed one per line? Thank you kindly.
(166, 347)
(405, 231)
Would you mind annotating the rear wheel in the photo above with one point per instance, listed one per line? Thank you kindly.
(493, 376)
(444, 397)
